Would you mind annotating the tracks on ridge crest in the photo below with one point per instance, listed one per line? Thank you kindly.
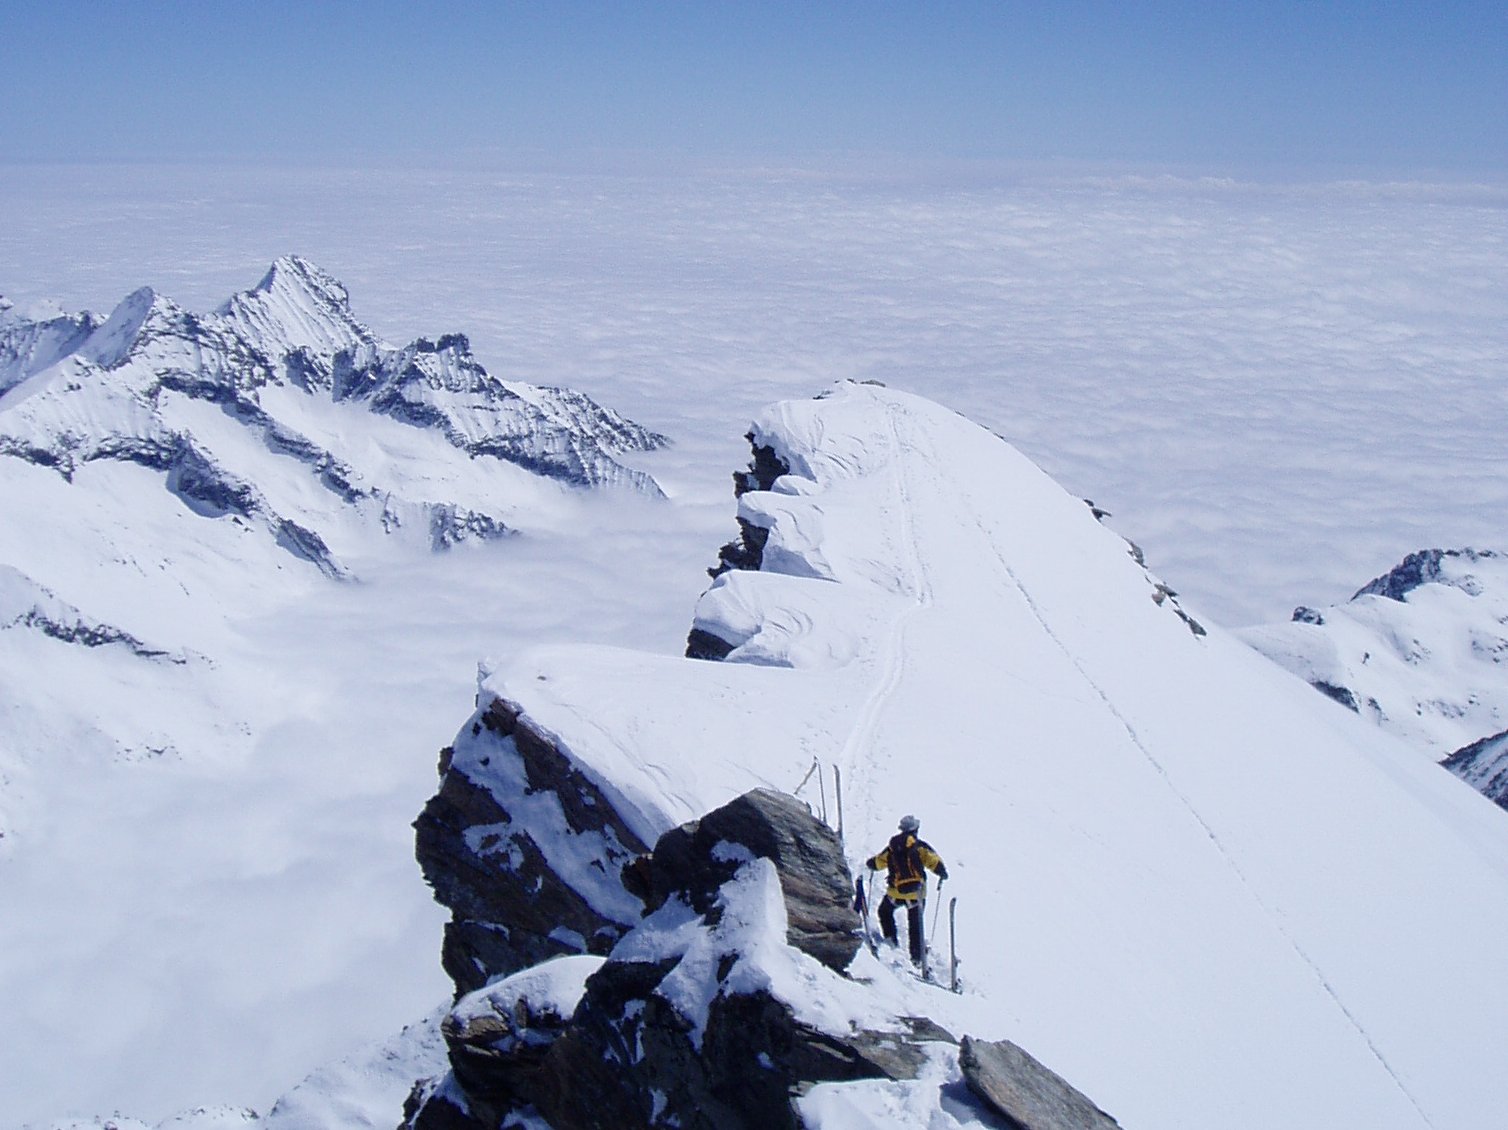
(857, 758)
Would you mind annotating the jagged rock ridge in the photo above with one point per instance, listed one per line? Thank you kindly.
(524, 849)
(24, 604)
(281, 365)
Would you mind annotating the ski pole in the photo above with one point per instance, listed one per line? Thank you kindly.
(932, 933)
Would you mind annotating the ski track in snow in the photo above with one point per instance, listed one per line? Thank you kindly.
(858, 756)
(1268, 913)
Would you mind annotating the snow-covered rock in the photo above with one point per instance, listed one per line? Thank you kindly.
(224, 635)
(1422, 650)
(30, 344)
(524, 850)
(712, 1013)
(1191, 885)
(1484, 766)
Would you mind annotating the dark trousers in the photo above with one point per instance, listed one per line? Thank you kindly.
(913, 924)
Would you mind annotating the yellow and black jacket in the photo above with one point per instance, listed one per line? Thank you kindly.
(904, 857)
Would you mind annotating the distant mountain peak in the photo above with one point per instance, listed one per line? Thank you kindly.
(113, 342)
(282, 384)
(296, 306)
(1420, 650)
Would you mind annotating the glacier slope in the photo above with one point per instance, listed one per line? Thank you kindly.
(1186, 882)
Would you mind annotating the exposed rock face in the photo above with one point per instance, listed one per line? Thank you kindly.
(747, 550)
(26, 605)
(487, 842)
(29, 346)
(688, 862)
(1024, 1093)
(1423, 568)
(679, 1026)
(1484, 766)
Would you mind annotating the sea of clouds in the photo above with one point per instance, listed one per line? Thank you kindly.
(1278, 390)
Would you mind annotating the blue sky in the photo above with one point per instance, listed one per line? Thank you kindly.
(1372, 88)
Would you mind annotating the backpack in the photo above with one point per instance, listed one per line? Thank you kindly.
(906, 872)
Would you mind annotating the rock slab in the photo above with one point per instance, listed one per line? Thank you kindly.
(1023, 1092)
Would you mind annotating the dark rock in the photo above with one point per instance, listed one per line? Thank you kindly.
(1417, 569)
(702, 644)
(1024, 1093)
(747, 553)
(207, 488)
(626, 1057)
(437, 1104)
(509, 907)
(764, 469)
(305, 543)
(1342, 695)
(1484, 766)
(689, 862)
(1303, 615)
(450, 525)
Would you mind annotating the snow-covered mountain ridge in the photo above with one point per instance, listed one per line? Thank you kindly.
(1187, 882)
(1420, 651)
(224, 631)
(290, 373)
(163, 472)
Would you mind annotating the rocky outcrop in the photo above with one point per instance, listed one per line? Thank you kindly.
(524, 849)
(747, 550)
(1423, 568)
(24, 604)
(692, 1020)
(1023, 1093)
(693, 862)
(1484, 766)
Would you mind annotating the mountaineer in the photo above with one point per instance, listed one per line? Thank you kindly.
(907, 859)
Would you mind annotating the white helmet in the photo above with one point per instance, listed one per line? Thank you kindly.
(910, 824)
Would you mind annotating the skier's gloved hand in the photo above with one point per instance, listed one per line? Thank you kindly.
(869, 863)
(942, 872)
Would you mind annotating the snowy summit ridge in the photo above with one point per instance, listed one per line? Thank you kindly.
(1187, 882)
(129, 389)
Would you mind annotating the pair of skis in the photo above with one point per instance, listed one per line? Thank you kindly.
(861, 904)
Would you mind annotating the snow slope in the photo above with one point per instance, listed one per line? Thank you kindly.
(1420, 651)
(1186, 882)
